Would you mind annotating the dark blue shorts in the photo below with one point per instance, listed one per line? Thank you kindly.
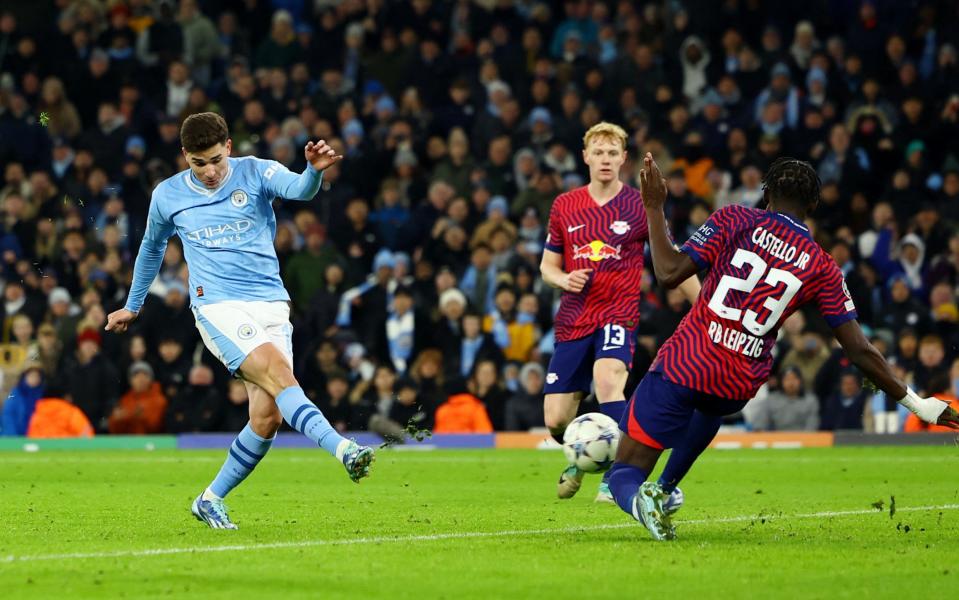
(571, 367)
(659, 411)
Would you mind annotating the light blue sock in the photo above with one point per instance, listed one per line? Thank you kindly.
(306, 418)
(245, 453)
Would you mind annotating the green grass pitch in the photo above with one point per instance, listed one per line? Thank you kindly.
(478, 524)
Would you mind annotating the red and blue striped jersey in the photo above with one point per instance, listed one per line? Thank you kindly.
(609, 239)
(762, 267)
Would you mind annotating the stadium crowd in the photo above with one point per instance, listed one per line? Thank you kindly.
(414, 273)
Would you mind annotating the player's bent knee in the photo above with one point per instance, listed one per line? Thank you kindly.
(558, 411)
(267, 424)
(609, 379)
(609, 390)
(268, 368)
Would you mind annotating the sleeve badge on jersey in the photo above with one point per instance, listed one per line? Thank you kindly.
(619, 227)
(702, 235)
(239, 198)
(850, 305)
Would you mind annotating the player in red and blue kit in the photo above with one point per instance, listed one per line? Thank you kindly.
(594, 252)
(762, 265)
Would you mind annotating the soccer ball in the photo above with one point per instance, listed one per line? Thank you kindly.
(590, 442)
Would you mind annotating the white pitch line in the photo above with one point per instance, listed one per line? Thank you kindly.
(439, 536)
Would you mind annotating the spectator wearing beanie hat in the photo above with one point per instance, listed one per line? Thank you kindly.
(524, 410)
(452, 305)
(64, 315)
(91, 381)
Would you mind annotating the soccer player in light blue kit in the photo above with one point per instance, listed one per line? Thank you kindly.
(221, 208)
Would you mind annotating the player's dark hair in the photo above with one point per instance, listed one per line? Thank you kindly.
(202, 131)
(793, 182)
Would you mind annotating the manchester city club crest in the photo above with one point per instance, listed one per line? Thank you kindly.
(239, 198)
(246, 331)
(619, 227)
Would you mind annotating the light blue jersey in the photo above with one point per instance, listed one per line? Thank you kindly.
(227, 232)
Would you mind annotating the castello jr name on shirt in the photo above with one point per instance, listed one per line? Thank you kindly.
(779, 248)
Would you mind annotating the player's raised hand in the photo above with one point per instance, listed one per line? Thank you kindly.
(321, 155)
(119, 320)
(576, 280)
(652, 184)
(949, 418)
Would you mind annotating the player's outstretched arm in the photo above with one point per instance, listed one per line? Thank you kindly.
(281, 182)
(551, 268)
(871, 362)
(671, 266)
(146, 267)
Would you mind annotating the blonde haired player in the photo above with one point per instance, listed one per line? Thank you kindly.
(594, 252)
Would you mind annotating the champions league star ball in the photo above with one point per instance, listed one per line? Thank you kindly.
(590, 442)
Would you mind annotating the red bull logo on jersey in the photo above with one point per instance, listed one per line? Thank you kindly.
(597, 251)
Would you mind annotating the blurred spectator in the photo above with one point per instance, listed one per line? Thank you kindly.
(484, 384)
(64, 118)
(887, 413)
(406, 330)
(524, 410)
(335, 401)
(844, 409)
(49, 350)
(385, 406)
(91, 381)
(943, 387)
(163, 41)
(57, 418)
(932, 362)
(195, 405)
(808, 356)
(280, 49)
(479, 279)
(464, 349)
(427, 373)
(201, 44)
(141, 409)
(462, 413)
(235, 414)
(904, 310)
(20, 403)
(791, 408)
(306, 269)
(16, 355)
